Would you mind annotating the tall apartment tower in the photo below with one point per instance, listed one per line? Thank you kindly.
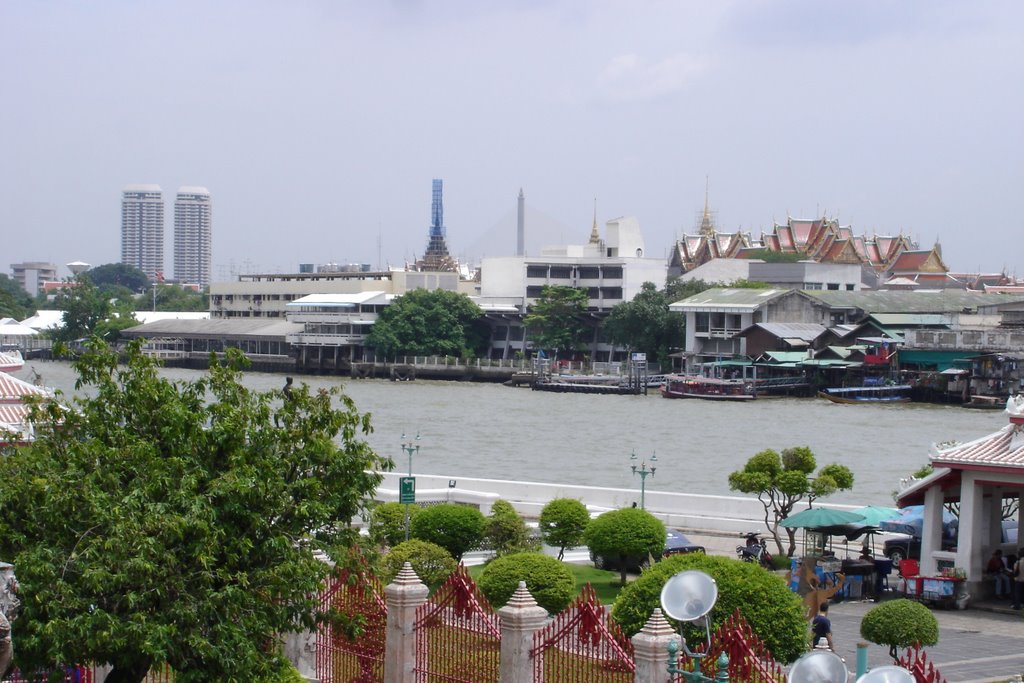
(142, 228)
(192, 236)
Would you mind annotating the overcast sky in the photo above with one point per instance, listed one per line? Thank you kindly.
(318, 126)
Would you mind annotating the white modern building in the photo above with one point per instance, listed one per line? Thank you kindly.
(192, 236)
(33, 275)
(142, 228)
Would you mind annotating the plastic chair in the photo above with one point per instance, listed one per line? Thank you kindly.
(909, 568)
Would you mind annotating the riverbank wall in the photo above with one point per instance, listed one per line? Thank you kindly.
(689, 511)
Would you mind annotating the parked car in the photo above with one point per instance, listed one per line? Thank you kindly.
(905, 547)
(676, 543)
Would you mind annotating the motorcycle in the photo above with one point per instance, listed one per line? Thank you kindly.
(755, 550)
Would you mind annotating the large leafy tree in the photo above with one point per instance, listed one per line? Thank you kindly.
(556, 320)
(562, 523)
(117, 275)
(84, 307)
(624, 533)
(435, 322)
(781, 480)
(15, 302)
(645, 324)
(179, 521)
(175, 298)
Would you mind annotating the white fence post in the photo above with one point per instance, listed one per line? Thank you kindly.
(403, 596)
(650, 649)
(520, 618)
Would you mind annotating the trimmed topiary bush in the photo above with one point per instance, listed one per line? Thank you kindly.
(387, 523)
(774, 612)
(900, 623)
(456, 528)
(432, 563)
(506, 531)
(623, 534)
(549, 581)
(562, 523)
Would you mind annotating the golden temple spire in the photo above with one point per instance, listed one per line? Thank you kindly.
(595, 237)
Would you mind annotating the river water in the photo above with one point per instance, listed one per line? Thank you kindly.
(497, 432)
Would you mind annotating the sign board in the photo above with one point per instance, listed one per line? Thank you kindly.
(639, 356)
(407, 490)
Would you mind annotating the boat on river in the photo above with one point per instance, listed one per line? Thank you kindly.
(708, 388)
(885, 393)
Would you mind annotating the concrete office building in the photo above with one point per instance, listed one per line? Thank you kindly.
(33, 275)
(142, 228)
(192, 236)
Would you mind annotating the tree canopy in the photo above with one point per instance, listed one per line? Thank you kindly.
(781, 480)
(15, 302)
(179, 521)
(84, 308)
(626, 532)
(562, 523)
(645, 324)
(456, 528)
(556, 320)
(434, 322)
(117, 275)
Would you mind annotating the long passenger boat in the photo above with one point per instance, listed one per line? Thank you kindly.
(708, 388)
(886, 393)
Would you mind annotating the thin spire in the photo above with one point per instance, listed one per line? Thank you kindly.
(707, 226)
(595, 237)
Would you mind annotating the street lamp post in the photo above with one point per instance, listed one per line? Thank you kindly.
(643, 472)
(410, 447)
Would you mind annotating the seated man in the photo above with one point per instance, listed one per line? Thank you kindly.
(998, 571)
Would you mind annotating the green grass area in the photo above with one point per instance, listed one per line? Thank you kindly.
(605, 583)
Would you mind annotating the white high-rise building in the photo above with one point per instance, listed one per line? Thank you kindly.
(142, 228)
(192, 236)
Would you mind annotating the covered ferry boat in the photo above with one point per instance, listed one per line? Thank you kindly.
(884, 393)
(710, 388)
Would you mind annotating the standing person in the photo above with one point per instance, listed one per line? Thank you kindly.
(1018, 578)
(821, 628)
(287, 387)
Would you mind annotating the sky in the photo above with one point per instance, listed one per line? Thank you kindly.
(318, 125)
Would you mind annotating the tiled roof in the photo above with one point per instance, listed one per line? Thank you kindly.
(12, 389)
(910, 260)
(1004, 448)
(13, 413)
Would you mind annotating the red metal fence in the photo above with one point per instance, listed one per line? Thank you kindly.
(351, 648)
(749, 658)
(458, 637)
(582, 645)
(916, 661)
(76, 674)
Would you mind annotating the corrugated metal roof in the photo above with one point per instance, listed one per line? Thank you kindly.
(895, 301)
(786, 356)
(217, 327)
(807, 332)
(12, 389)
(898, 319)
(722, 298)
(350, 298)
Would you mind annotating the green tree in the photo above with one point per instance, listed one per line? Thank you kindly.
(435, 322)
(506, 531)
(677, 290)
(456, 528)
(84, 308)
(645, 324)
(432, 563)
(622, 533)
(556, 320)
(175, 298)
(562, 523)
(387, 522)
(179, 521)
(769, 256)
(15, 302)
(773, 611)
(900, 623)
(117, 275)
(780, 481)
(550, 582)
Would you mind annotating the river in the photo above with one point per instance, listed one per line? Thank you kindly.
(497, 432)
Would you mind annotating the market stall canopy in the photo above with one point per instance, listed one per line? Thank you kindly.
(815, 518)
(874, 514)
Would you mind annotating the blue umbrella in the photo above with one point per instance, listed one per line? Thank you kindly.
(911, 521)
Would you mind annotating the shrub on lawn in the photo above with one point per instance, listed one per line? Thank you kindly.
(774, 612)
(432, 563)
(562, 523)
(549, 581)
(624, 533)
(387, 522)
(456, 528)
(506, 531)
